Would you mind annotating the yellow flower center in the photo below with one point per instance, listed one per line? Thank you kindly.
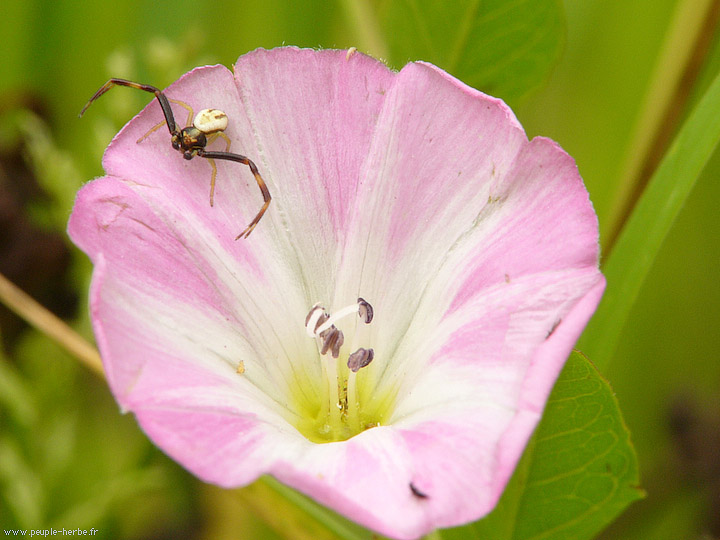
(345, 405)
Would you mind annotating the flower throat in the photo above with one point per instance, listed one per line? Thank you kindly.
(340, 414)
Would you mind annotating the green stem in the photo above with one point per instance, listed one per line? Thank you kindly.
(651, 219)
(679, 60)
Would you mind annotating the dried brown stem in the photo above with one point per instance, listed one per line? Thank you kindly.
(38, 316)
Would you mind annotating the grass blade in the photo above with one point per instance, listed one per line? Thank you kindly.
(641, 239)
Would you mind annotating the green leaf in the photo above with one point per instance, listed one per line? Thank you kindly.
(16, 400)
(500, 47)
(578, 472)
(643, 235)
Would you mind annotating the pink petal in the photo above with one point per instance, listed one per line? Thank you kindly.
(161, 293)
(470, 410)
(157, 170)
(477, 249)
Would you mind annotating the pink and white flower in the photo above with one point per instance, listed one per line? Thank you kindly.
(476, 248)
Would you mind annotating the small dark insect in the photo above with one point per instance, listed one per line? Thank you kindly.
(554, 327)
(415, 491)
(191, 141)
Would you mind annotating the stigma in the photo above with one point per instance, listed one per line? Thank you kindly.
(345, 406)
(321, 325)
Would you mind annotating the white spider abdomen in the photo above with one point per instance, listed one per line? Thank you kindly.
(211, 121)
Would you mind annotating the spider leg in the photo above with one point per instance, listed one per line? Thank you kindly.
(161, 124)
(151, 131)
(212, 179)
(227, 140)
(259, 179)
(187, 107)
(210, 139)
(164, 103)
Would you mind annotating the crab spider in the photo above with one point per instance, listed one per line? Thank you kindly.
(191, 141)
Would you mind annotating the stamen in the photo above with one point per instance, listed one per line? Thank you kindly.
(362, 308)
(365, 311)
(332, 341)
(315, 317)
(343, 407)
(359, 359)
(330, 321)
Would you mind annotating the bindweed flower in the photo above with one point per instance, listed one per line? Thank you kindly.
(387, 337)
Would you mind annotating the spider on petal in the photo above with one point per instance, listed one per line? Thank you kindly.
(191, 141)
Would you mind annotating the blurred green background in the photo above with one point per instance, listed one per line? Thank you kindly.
(610, 80)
